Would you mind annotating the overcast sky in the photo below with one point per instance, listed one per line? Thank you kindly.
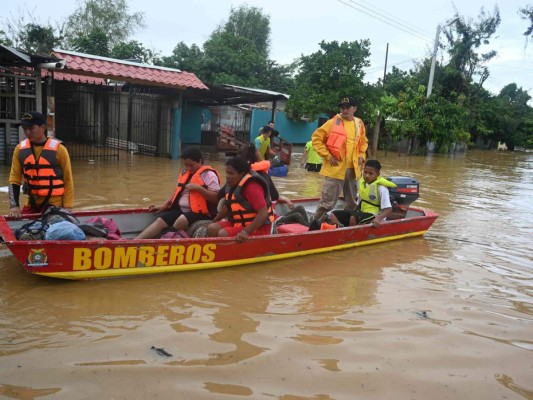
(297, 26)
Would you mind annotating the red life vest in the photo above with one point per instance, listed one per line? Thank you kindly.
(336, 142)
(241, 212)
(197, 202)
(43, 174)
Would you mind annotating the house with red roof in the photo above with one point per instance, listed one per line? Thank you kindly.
(101, 106)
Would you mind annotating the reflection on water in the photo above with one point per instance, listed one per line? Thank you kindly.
(448, 315)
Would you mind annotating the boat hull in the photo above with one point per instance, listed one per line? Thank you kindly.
(103, 258)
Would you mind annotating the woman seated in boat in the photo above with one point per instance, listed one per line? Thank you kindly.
(247, 209)
(373, 205)
(261, 167)
(194, 199)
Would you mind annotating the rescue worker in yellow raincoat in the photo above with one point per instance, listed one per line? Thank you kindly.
(342, 144)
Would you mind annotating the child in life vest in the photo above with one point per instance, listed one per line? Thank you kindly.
(310, 158)
(373, 204)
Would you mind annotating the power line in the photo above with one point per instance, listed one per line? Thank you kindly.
(393, 19)
(411, 30)
(375, 69)
(388, 21)
(415, 28)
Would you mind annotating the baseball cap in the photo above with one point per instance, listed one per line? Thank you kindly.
(32, 118)
(347, 101)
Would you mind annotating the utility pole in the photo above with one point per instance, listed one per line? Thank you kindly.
(434, 58)
(374, 148)
(433, 61)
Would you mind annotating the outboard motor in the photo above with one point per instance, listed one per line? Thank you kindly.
(406, 190)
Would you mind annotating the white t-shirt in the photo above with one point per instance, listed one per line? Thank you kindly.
(384, 198)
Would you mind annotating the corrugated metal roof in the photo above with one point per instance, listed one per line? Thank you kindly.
(20, 57)
(261, 91)
(109, 68)
(229, 94)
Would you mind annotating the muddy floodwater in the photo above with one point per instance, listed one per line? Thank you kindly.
(445, 316)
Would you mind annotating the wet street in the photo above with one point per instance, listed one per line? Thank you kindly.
(445, 316)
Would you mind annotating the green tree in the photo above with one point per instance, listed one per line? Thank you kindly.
(32, 36)
(336, 70)
(527, 14)
(396, 81)
(514, 116)
(237, 50)
(38, 39)
(464, 39)
(184, 58)
(232, 59)
(480, 111)
(133, 50)
(95, 42)
(4, 39)
(98, 18)
(278, 78)
(413, 116)
(250, 23)
(236, 53)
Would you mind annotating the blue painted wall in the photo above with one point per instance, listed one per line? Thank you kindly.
(175, 138)
(191, 124)
(295, 132)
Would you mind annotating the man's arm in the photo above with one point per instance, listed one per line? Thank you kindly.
(15, 174)
(385, 206)
(320, 138)
(257, 143)
(362, 144)
(15, 181)
(64, 162)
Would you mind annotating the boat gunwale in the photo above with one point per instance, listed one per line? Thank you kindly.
(13, 242)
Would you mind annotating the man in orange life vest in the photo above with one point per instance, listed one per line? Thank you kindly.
(44, 166)
(194, 199)
(342, 144)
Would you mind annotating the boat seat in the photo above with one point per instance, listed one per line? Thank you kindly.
(292, 228)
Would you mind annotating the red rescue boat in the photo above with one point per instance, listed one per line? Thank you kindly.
(104, 258)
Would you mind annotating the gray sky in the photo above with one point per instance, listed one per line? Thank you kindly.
(297, 26)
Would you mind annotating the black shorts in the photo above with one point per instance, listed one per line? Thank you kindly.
(313, 167)
(360, 217)
(170, 216)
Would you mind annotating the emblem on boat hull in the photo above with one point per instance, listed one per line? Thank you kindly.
(37, 258)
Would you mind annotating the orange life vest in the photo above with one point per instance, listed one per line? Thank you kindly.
(197, 202)
(325, 226)
(336, 142)
(241, 212)
(261, 166)
(43, 174)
